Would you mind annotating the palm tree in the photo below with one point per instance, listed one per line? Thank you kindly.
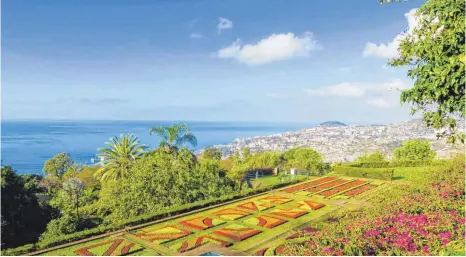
(173, 137)
(119, 155)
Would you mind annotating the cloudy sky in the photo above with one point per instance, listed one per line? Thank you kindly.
(232, 60)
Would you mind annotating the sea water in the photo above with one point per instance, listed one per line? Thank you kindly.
(26, 145)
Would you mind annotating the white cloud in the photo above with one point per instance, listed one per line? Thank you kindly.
(224, 23)
(390, 50)
(195, 35)
(381, 95)
(274, 48)
(378, 102)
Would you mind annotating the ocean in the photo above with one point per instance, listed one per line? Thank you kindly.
(26, 145)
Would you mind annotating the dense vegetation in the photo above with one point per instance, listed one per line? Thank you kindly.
(135, 184)
(425, 217)
(434, 53)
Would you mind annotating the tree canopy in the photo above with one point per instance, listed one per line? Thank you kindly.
(414, 150)
(435, 55)
(376, 156)
(58, 165)
(175, 136)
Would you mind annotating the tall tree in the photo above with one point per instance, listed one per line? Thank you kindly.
(119, 156)
(58, 165)
(74, 188)
(435, 55)
(175, 136)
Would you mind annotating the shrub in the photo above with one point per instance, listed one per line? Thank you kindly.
(380, 173)
(414, 150)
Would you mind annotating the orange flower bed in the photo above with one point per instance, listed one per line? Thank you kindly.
(309, 184)
(344, 187)
(359, 190)
(326, 185)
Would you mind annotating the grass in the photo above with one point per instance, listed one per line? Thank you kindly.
(413, 173)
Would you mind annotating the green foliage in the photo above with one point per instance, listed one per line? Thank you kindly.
(379, 173)
(175, 136)
(120, 154)
(58, 165)
(414, 150)
(376, 156)
(212, 153)
(22, 218)
(304, 158)
(435, 54)
(161, 180)
(136, 220)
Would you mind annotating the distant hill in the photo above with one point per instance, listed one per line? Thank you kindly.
(332, 124)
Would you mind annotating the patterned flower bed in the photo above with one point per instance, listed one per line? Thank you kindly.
(275, 199)
(341, 188)
(327, 185)
(265, 221)
(116, 247)
(289, 213)
(195, 242)
(359, 190)
(309, 184)
(308, 205)
(164, 234)
(256, 206)
(202, 223)
(237, 232)
(281, 249)
(231, 214)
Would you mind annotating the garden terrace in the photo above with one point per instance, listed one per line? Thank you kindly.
(248, 225)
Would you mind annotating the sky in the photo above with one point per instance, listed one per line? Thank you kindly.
(205, 60)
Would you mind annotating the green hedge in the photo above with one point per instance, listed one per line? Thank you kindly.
(379, 173)
(395, 164)
(138, 220)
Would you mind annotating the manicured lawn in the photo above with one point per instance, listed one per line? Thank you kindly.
(243, 226)
(412, 173)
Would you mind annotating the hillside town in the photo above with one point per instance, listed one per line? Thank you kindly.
(339, 142)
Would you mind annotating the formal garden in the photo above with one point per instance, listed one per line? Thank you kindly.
(244, 225)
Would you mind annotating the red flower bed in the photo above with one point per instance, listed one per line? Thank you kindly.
(308, 184)
(237, 233)
(85, 250)
(343, 187)
(326, 185)
(359, 190)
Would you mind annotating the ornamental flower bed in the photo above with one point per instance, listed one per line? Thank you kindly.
(192, 243)
(236, 232)
(265, 221)
(275, 199)
(202, 223)
(343, 187)
(114, 247)
(289, 213)
(162, 235)
(255, 206)
(308, 184)
(308, 205)
(231, 214)
(321, 187)
(426, 217)
(359, 190)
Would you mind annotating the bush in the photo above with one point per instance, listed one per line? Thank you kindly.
(380, 173)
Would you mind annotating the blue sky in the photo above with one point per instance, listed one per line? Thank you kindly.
(261, 60)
